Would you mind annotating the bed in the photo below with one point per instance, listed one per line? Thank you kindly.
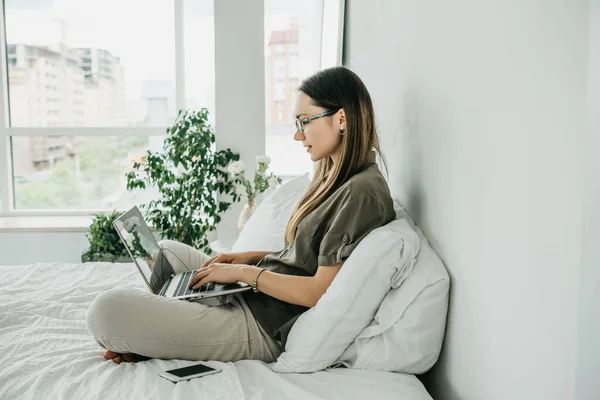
(47, 353)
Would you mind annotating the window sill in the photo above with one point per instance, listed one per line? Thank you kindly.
(45, 223)
(54, 223)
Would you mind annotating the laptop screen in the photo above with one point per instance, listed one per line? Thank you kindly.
(144, 249)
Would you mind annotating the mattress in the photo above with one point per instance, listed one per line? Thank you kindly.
(46, 351)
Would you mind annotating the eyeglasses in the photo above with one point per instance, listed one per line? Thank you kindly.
(301, 122)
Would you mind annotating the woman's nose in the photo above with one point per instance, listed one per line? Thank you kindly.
(298, 135)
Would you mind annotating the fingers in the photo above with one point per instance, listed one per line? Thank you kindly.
(201, 274)
(201, 283)
(222, 258)
(195, 279)
(202, 280)
(211, 260)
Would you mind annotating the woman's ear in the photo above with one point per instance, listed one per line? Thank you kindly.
(342, 117)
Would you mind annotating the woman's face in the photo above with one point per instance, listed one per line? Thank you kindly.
(321, 136)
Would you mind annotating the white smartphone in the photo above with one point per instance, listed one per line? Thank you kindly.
(190, 372)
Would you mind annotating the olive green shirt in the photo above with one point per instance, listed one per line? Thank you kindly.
(325, 237)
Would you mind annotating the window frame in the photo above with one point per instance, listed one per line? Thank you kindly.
(6, 132)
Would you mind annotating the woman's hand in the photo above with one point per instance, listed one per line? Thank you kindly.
(216, 272)
(230, 258)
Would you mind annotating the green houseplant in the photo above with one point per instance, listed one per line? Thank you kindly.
(105, 244)
(188, 174)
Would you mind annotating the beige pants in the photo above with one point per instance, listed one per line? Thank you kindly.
(136, 321)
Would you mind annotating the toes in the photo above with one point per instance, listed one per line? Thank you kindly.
(109, 354)
(125, 357)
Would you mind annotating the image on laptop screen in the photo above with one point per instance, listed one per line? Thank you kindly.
(143, 246)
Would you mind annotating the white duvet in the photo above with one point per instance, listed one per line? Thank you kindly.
(47, 353)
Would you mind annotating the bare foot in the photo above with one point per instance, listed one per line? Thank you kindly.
(127, 357)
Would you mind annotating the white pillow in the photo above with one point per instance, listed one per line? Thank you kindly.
(265, 229)
(407, 332)
(295, 186)
(381, 260)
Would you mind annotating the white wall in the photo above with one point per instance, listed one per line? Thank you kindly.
(19, 248)
(30, 247)
(588, 361)
(481, 111)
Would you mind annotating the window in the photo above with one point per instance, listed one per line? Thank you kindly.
(293, 44)
(331, 40)
(280, 69)
(84, 94)
(88, 49)
(279, 95)
(199, 24)
(279, 49)
(78, 173)
(79, 75)
(293, 67)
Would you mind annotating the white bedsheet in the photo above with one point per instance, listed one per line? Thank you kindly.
(47, 353)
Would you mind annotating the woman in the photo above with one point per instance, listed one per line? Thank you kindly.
(347, 198)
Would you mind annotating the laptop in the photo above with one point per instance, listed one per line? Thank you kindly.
(157, 272)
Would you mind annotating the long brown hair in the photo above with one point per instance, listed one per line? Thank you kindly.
(332, 89)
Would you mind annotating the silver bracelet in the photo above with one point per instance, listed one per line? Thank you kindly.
(254, 288)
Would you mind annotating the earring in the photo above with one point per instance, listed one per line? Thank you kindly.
(341, 130)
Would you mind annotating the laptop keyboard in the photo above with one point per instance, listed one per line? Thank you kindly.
(182, 287)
